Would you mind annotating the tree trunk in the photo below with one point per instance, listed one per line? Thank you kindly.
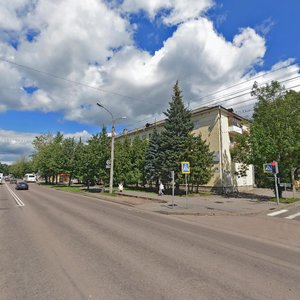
(70, 179)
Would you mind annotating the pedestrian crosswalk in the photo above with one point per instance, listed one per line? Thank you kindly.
(290, 214)
(293, 216)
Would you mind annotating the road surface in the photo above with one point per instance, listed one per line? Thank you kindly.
(59, 245)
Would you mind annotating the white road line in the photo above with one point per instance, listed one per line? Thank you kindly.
(293, 216)
(17, 199)
(275, 213)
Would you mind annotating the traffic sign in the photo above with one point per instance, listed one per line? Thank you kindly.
(267, 168)
(185, 167)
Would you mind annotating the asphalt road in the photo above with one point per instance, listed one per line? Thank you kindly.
(66, 246)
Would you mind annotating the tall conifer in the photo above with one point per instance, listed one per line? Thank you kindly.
(175, 136)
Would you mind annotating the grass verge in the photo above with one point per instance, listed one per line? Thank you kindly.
(74, 189)
(286, 200)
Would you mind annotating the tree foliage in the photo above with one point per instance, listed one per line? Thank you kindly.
(21, 167)
(201, 160)
(175, 136)
(4, 168)
(152, 158)
(274, 132)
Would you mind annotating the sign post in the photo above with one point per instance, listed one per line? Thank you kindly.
(185, 169)
(272, 168)
(275, 171)
(173, 186)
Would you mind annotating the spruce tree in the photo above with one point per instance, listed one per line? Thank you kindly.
(175, 137)
(152, 159)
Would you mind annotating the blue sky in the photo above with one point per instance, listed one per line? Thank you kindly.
(279, 18)
(128, 55)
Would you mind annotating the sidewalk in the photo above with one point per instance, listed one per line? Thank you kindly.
(201, 205)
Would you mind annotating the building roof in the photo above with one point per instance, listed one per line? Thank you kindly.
(194, 112)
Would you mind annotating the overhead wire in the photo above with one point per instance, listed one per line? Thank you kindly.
(134, 98)
(218, 100)
(245, 81)
(67, 80)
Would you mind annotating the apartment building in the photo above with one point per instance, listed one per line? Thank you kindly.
(219, 127)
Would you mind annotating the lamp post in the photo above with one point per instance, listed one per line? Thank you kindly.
(112, 153)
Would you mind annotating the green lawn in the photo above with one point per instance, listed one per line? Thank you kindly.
(286, 200)
(74, 189)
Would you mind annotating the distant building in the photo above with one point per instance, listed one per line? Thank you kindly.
(219, 127)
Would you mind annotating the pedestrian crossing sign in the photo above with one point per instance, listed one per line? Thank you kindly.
(185, 167)
(267, 168)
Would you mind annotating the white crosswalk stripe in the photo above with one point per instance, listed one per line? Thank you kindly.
(293, 216)
(276, 213)
(290, 214)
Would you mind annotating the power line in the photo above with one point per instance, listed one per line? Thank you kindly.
(211, 102)
(245, 81)
(239, 103)
(67, 80)
(130, 97)
(249, 88)
(215, 101)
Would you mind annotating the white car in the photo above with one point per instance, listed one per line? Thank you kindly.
(29, 178)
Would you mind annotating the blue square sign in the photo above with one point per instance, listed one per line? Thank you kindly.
(185, 167)
(268, 168)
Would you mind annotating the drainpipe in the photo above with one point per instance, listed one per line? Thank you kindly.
(221, 149)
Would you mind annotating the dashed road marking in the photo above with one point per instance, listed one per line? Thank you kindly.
(275, 213)
(293, 216)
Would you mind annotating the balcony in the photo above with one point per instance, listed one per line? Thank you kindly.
(235, 129)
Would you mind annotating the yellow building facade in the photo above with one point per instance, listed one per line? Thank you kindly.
(218, 126)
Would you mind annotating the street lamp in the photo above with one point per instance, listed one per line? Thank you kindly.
(112, 146)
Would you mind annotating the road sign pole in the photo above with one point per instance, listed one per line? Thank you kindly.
(173, 186)
(186, 191)
(276, 188)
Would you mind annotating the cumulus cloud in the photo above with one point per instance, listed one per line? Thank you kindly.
(178, 10)
(92, 42)
(14, 145)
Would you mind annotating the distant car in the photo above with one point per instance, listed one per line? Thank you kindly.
(21, 186)
(29, 178)
(13, 181)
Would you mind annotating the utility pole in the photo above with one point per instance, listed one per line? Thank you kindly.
(112, 152)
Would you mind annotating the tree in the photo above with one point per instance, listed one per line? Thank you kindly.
(21, 167)
(123, 163)
(80, 167)
(68, 154)
(152, 159)
(201, 160)
(42, 154)
(104, 155)
(4, 168)
(175, 137)
(274, 132)
(55, 156)
(138, 151)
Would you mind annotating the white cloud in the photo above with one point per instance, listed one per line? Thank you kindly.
(14, 145)
(180, 10)
(10, 13)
